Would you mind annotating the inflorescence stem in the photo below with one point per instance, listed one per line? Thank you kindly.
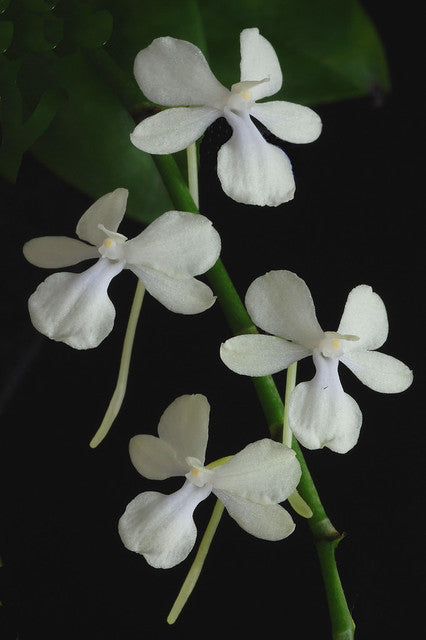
(326, 537)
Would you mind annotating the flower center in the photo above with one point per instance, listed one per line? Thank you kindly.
(113, 245)
(333, 344)
(241, 98)
(198, 475)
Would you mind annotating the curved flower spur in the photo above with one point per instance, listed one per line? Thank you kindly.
(320, 414)
(250, 485)
(174, 72)
(75, 308)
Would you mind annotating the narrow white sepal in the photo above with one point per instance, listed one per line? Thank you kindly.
(260, 355)
(173, 129)
(108, 211)
(258, 61)
(184, 425)
(379, 371)
(155, 458)
(56, 252)
(288, 121)
(364, 316)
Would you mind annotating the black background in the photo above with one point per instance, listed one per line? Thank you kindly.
(356, 218)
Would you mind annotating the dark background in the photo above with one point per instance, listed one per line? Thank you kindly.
(356, 218)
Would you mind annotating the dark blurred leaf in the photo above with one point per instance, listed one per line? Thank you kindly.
(6, 35)
(329, 50)
(88, 143)
(19, 135)
(83, 26)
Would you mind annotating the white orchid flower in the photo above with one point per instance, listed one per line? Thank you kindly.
(321, 414)
(75, 308)
(250, 485)
(173, 72)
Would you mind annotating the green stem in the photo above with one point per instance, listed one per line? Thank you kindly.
(324, 533)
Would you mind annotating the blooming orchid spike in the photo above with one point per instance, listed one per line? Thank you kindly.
(320, 414)
(174, 72)
(249, 484)
(75, 308)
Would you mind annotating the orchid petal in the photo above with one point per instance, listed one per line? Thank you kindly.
(379, 371)
(184, 425)
(364, 316)
(173, 129)
(259, 61)
(265, 472)
(108, 210)
(280, 303)
(185, 296)
(251, 170)
(260, 355)
(161, 527)
(154, 458)
(268, 522)
(321, 414)
(75, 308)
(174, 72)
(288, 121)
(178, 243)
(55, 252)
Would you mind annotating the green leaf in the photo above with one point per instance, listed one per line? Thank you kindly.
(136, 24)
(329, 50)
(6, 35)
(88, 143)
(19, 135)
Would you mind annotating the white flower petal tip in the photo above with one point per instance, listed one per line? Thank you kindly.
(174, 73)
(320, 413)
(250, 484)
(75, 308)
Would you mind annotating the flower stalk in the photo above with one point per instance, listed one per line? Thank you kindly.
(324, 533)
(196, 567)
(123, 373)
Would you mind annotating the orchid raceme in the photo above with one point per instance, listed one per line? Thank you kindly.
(320, 413)
(250, 485)
(75, 308)
(173, 72)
